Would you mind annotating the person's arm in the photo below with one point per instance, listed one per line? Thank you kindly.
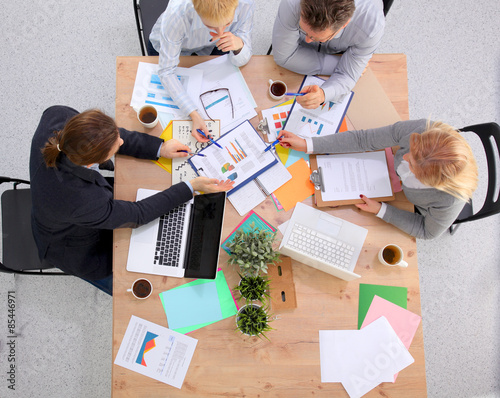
(367, 140)
(139, 145)
(438, 215)
(243, 30)
(350, 67)
(172, 32)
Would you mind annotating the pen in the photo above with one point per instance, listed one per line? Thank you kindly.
(296, 94)
(191, 153)
(272, 145)
(204, 135)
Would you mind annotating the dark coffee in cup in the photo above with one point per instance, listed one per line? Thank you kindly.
(148, 114)
(278, 89)
(142, 288)
(391, 255)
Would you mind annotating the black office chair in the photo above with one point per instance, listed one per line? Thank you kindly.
(146, 15)
(387, 7)
(20, 254)
(489, 133)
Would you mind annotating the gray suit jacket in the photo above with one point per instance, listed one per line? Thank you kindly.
(438, 209)
(73, 210)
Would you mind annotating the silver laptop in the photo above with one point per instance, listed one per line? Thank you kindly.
(324, 242)
(184, 243)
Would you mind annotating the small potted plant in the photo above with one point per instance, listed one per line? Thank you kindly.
(254, 287)
(253, 320)
(252, 250)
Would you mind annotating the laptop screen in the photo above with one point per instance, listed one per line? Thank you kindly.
(204, 236)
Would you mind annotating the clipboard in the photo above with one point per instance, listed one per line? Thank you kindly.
(317, 123)
(234, 158)
(318, 179)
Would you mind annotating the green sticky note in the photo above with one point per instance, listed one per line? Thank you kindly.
(226, 300)
(395, 294)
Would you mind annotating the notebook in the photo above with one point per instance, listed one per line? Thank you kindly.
(324, 242)
(184, 243)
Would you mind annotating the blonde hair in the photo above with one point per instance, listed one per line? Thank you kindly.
(443, 159)
(216, 11)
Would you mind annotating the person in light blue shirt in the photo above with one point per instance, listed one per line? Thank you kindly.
(203, 27)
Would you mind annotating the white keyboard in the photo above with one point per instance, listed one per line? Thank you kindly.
(321, 247)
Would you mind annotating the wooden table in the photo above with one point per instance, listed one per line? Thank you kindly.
(225, 362)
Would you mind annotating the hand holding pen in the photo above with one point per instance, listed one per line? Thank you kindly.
(272, 145)
(193, 154)
(207, 136)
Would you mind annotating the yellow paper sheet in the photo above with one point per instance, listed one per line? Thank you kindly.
(162, 162)
(298, 188)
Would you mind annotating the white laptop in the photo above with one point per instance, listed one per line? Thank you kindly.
(324, 242)
(183, 243)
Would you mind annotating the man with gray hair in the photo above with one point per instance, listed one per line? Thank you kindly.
(308, 33)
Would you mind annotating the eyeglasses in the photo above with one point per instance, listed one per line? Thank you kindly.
(207, 97)
(312, 38)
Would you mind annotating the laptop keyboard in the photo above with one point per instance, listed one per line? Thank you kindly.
(320, 247)
(168, 243)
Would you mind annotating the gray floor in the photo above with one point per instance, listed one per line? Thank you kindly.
(62, 52)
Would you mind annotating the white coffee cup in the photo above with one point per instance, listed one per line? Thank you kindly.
(277, 89)
(392, 255)
(142, 288)
(148, 116)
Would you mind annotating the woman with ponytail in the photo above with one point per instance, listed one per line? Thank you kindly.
(73, 210)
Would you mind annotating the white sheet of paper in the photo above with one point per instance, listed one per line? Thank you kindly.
(346, 176)
(181, 131)
(362, 359)
(156, 352)
(274, 178)
(220, 73)
(324, 120)
(148, 88)
(247, 197)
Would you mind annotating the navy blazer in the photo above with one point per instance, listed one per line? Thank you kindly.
(73, 210)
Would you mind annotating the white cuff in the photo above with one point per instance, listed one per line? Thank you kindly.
(309, 145)
(382, 210)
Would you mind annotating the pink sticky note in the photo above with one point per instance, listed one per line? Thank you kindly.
(404, 322)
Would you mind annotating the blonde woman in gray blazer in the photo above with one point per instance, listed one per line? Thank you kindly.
(436, 166)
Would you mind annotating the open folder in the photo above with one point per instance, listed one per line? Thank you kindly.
(340, 179)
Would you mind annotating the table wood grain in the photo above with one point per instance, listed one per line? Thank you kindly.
(225, 362)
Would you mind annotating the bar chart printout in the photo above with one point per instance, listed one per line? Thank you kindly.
(156, 352)
(241, 157)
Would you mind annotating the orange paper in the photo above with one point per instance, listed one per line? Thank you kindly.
(298, 188)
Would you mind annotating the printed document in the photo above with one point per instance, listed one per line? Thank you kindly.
(346, 176)
(181, 131)
(148, 88)
(226, 91)
(156, 352)
(240, 157)
(324, 120)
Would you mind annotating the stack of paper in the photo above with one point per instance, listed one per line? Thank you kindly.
(362, 359)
